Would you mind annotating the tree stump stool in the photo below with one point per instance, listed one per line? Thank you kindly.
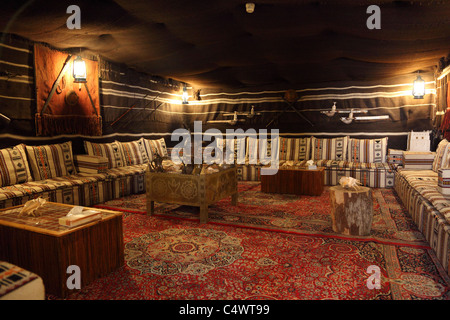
(351, 210)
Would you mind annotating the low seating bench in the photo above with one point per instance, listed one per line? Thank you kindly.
(111, 170)
(423, 192)
(374, 175)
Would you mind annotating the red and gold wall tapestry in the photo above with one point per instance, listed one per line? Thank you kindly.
(63, 106)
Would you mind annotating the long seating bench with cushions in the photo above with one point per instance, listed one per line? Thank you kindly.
(427, 205)
(362, 159)
(107, 171)
(111, 170)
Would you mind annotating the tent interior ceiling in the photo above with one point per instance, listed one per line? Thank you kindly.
(216, 44)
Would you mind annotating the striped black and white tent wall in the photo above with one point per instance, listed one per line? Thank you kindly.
(17, 88)
(393, 102)
(135, 104)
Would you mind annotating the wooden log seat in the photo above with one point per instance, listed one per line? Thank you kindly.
(351, 210)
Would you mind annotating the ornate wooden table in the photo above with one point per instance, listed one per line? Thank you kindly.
(192, 190)
(41, 245)
(294, 181)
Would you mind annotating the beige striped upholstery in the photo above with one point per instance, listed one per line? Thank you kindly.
(441, 159)
(112, 151)
(415, 160)
(49, 161)
(429, 209)
(367, 150)
(329, 149)
(134, 152)
(14, 166)
(295, 149)
(239, 147)
(153, 147)
(91, 164)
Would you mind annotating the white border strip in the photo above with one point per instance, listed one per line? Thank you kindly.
(260, 111)
(317, 89)
(444, 72)
(315, 134)
(14, 48)
(233, 101)
(17, 98)
(138, 87)
(16, 64)
(18, 79)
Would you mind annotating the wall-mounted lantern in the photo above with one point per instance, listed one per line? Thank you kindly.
(418, 88)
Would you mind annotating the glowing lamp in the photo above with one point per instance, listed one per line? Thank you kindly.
(185, 96)
(418, 88)
(250, 7)
(79, 70)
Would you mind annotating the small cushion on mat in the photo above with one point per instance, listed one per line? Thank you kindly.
(112, 151)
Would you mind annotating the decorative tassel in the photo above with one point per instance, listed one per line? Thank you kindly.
(50, 125)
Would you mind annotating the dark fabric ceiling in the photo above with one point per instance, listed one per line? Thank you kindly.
(216, 44)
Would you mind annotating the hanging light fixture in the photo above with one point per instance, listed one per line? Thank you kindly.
(185, 96)
(79, 70)
(250, 7)
(418, 88)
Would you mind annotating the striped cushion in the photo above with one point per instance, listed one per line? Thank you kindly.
(416, 160)
(14, 167)
(50, 161)
(90, 164)
(367, 150)
(155, 146)
(134, 152)
(248, 173)
(112, 151)
(295, 149)
(441, 159)
(252, 152)
(329, 149)
(238, 145)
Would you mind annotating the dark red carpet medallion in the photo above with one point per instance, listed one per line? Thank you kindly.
(269, 247)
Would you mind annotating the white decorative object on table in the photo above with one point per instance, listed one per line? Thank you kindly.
(311, 165)
(288, 163)
(349, 183)
(31, 206)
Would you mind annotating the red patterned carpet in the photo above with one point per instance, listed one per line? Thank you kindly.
(268, 247)
(288, 213)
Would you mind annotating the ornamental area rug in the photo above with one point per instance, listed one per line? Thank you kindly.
(170, 256)
(287, 213)
(171, 259)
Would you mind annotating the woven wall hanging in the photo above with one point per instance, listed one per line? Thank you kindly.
(63, 106)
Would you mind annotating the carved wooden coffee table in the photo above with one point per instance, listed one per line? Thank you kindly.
(192, 190)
